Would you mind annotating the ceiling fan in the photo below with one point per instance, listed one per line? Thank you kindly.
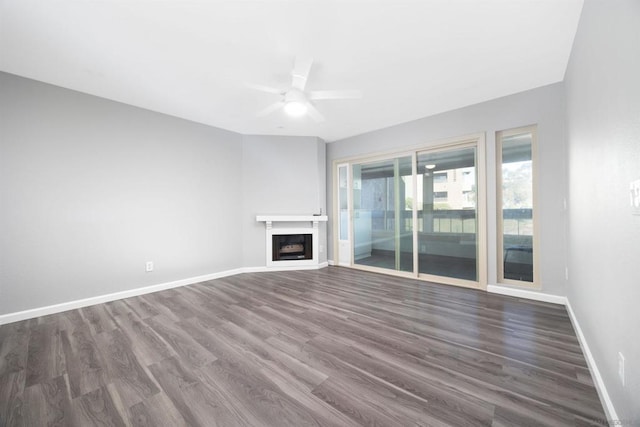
(295, 101)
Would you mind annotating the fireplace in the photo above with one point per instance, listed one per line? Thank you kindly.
(293, 241)
(288, 247)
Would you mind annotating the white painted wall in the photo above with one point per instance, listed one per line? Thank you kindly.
(603, 133)
(92, 189)
(543, 106)
(280, 175)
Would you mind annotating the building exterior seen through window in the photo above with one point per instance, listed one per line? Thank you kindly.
(516, 184)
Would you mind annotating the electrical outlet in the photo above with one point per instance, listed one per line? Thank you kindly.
(621, 368)
(321, 248)
(566, 273)
(149, 266)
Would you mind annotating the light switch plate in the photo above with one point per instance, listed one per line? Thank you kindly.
(634, 195)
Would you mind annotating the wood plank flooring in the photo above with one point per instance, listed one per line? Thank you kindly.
(333, 347)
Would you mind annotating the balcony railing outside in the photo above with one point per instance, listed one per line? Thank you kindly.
(517, 222)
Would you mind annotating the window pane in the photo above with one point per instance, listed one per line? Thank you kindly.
(517, 207)
(383, 214)
(447, 240)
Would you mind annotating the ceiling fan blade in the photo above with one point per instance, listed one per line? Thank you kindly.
(300, 73)
(313, 112)
(262, 88)
(270, 109)
(335, 94)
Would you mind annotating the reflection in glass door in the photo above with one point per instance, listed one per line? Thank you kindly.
(448, 213)
(382, 197)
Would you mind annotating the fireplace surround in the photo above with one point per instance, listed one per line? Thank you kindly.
(292, 241)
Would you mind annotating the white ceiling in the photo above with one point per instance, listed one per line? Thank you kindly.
(192, 58)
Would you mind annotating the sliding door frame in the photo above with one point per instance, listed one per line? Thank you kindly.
(372, 159)
(481, 214)
(339, 242)
(476, 140)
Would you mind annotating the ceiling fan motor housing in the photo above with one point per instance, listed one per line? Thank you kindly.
(294, 95)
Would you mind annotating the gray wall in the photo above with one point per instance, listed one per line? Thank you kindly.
(92, 189)
(544, 107)
(281, 175)
(603, 133)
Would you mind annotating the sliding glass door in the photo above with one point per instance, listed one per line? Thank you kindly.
(382, 214)
(418, 214)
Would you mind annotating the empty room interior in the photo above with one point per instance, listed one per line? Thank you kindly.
(334, 213)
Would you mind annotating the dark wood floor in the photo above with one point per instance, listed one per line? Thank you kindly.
(334, 347)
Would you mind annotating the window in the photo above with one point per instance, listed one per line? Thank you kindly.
(442, 195)
(516, 206)
(440, 177)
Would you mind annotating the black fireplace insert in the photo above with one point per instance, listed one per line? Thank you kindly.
(288, 247)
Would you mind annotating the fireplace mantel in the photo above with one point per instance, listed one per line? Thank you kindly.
(291, 218)
(292, 224)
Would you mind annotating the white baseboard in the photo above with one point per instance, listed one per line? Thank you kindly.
(591, 362)
(72, 305)
(264, 269)
(593, 368)
(331, 263)
(527, 294)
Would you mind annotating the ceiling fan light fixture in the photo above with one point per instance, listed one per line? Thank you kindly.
(295, 108)
(295, 101)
